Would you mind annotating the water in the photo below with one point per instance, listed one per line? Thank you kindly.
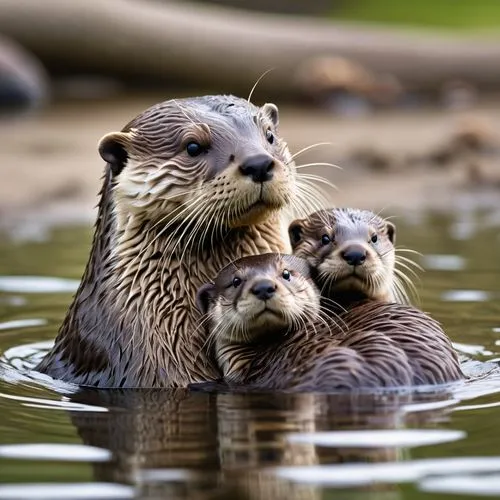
(60, 442)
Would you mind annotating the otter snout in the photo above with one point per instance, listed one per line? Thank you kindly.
(354, 255)
(264, 289)
(259, 168)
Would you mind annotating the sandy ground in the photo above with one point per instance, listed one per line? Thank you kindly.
(50, 168)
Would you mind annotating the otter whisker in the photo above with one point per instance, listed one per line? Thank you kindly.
(408, 250)
(404, 279)
(183, 209)
(204, 321)
(410, 262)
(318, 164)
(190, 218)
(408, 268)
(399, 291)
(307, 148)
(309, 198)
(199, 221)
(318, 179)
(257, 82)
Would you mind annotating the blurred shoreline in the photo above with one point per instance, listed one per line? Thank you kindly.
(51, 170)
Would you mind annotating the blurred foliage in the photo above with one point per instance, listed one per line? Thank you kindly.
(453, 14)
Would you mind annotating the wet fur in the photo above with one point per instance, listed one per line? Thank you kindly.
(166, 224)
(376, 279)
(373, 345)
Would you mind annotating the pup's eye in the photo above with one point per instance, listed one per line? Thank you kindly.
(374, 238)
(236, 282)
(325, 239)
(286, 274)
(269, 136)
(194, 149)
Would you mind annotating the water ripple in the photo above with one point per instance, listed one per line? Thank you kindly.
(443, 262)
(48, 451)
(466, 296)
(37, 284)
(359, 474)
(75, 491)
(403, 438)
(465, 484)
(22, 323)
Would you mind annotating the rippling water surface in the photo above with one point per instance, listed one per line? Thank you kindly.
(60, 442)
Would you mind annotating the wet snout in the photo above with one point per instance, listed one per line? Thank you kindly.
(264, 289)
(354, 255)
(258, 167)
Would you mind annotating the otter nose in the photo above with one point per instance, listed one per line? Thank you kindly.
(354, 256)
(259, 168)
(264, 289)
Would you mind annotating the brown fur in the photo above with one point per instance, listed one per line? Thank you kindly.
(373, 345)
(325, 237)
(167, 222)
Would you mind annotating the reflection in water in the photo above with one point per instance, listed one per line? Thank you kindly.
(181, 444)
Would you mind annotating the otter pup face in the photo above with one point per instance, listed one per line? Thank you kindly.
(259, 295)
(214, 159)
(352, 251)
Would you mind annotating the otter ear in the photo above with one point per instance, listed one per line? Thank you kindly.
(113, 150)
(295, 232)
(391, 232)
(271, 111)
(204, 295)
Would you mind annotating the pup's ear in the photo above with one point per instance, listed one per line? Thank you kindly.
(391, 232)
(204, 296)
(113, 149)
(271, 111)
(295, 232)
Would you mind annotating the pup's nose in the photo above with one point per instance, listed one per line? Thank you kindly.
(259, 168)
(264, 289)
(354, 255)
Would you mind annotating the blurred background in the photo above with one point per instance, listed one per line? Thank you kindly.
(408, 95)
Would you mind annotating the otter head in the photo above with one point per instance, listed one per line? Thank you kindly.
(259, 296)
(205, 161)
(352, 252)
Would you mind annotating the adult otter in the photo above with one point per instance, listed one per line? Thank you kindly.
(190, 185)
(352, 256)
(269, 332)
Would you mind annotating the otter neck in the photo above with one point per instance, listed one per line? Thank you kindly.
(136, 299)
(338, 301)
(236, 358)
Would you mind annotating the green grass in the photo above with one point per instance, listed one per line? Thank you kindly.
(451, 14)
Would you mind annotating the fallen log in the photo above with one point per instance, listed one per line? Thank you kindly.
(226, 50)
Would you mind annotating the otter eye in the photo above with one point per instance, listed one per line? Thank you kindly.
(194, 149)
(236, 282)
(269, 136)
(286, 274)
(325, 239)
(374, 238)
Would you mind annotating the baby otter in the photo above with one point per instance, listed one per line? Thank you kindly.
(269, 333)
(352, 254)
(190, 185)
